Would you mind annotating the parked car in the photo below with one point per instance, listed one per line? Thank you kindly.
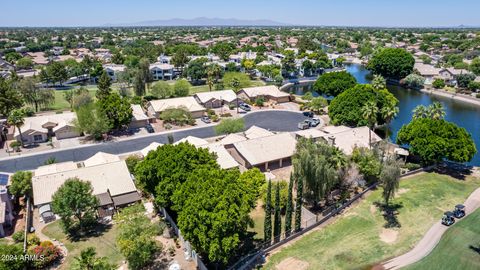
(448, 218)
(314, 122)
(308, 114)
(245, 107)
(459, 211)
(305, 124)
(149, 128)
(206, 119)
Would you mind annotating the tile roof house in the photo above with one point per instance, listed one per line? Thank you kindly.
(111, 183)
(216, 99)
(151, 147)
(156, 107)
(139, 118)
(268, 92)
(264, 152)
(256, 132)
(346, 139)
(161, 71)
(38, 128)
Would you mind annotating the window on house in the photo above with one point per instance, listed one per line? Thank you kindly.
(37, 138)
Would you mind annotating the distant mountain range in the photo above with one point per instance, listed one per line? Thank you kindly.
(203, 21)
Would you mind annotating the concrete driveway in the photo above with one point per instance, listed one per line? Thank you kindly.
(273, 120)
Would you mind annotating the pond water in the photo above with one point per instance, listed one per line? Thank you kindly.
(463, 114)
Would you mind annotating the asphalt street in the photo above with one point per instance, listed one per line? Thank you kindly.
(271, 120)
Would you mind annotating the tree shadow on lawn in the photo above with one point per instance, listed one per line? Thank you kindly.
(474, 248)
(455, 170)
(390, 213)
(97, 230)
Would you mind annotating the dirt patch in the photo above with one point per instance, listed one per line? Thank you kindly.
(373, 209)
(401, 191)
(388, 235)
(292, 263)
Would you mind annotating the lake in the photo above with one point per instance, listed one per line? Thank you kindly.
(463, 114)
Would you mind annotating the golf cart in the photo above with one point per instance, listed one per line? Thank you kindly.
(459, 211)
(448, 218)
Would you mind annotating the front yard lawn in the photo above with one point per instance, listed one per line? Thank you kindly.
(362, 237)
(104, 244)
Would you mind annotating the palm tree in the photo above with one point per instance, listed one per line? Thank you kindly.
(369, 112)
(210, 80)
(17, 119)
(86, 260)
(436, 111)
(388, 113)
(420, 112)
(378, 82)
(235, 84)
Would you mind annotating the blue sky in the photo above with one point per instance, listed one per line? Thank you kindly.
(305, 12)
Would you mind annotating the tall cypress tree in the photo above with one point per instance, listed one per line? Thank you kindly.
(289, 210)
(298, 204)
(103, 85)
(268, 214)
(277, 221)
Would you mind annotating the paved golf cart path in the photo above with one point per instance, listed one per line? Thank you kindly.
(431, 238)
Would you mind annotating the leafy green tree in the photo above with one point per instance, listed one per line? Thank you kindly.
(390, 178)
(317, 104)
(55, 72)
(255, 179)
(117, 110)
(214, 214)
(277, 221)
(289, 207)
(267, 227)
(76, 205)
(196, 69)
(144, 69)
(165, 169)
(16, 253)
(180, 58)
(223, 50)
(104, 84)
(177, 116)
(24, 63)
(298, 204)
(393, 63)
(414, 81)
(139, 83)
(368, 163)
(10, 98)
(230, 125)
(162, 90)
(92, 121)
(438, 83)
(464, 79)
(312, 165)
(278, 79)
(475, 66)
(35, 95)
(136, 237)
(346, 108)
(334, 83)
(434, 140)
(181, 88)
(288, 63)
(88, 260)
(17, 119)
(21, 184)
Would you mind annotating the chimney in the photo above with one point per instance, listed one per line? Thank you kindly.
(331, 140)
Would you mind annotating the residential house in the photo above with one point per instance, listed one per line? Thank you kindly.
(347, 139)
(40, 128)
(264, 152)
(113, 70)
(162, 71)
(267, 92)
(112, 184)
(224, 159)
(256, 132)
(449, 74)
(139, 118)
(151, 147)
(429, 72)
(217, 99)
(156, 107)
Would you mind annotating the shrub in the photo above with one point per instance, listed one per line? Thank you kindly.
(44, 255)
(412, 166)
(132, 161)
(18, 236)
(15, 144)
(259, 102)
(177, 116)
(438, 84)
(32, 239)
(478, 95)
(28, 111)
(46, 243)
(414, 81)
(283, 193)
(230, 125)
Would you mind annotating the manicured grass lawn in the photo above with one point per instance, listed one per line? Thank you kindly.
(459, 247)
(104, 244)
(60, 102)
(353, 241)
